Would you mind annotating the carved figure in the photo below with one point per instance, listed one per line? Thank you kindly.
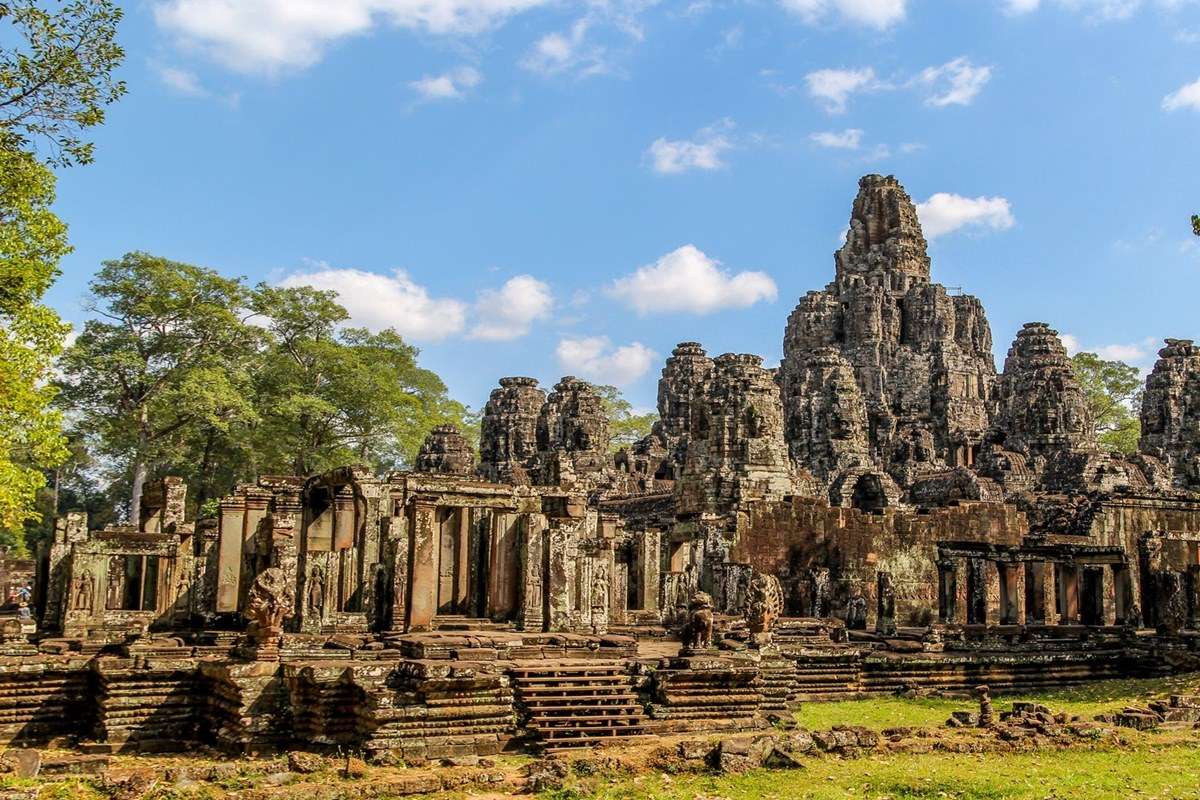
(316, 592)
(698, 632)
(267, 605)
(764, 604)
(856, 613)
(85, 591)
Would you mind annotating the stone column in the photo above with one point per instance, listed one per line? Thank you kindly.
(1035, 593)
(462, 570)
(422, 566)
(533, 560)
(885, 605)
(947, 591)
(229, 552)
(504, 574)
(649, 545)
(399, 547)
(1010, 592)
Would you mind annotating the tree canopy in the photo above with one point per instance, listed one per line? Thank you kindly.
(624, 426)
(56, 73)
(1196, 224)
(190, 373)
(1113, 390)
(32, 240)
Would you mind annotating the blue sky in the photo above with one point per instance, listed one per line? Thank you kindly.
(545, 187)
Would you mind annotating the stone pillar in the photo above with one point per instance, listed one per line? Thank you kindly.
(649, 545)
(422, 566)
(504, 573)
(1192, 582)
(1068, 588)
(533, 583)
(1010, 592)
(1124, 610)
(231, 527)
(947, 591)
(977, 591)
(885, 605)
(462, 571)
(1035, 593)
(399, 549)
(343, 520)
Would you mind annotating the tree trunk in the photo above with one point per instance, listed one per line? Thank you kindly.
(205, 465)
(139, 469)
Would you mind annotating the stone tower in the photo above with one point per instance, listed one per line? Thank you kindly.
(917, 359)
(1171, 411)
(572, 427)
(446, 451)
(508, 437)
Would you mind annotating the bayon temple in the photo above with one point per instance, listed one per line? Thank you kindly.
(883, 512)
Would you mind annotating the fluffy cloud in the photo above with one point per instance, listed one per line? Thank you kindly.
(268, 36)
(181, 81)
(595, 358)
(510, 311)
(1139, 354)
(944, 213)
(833, 87)
(1021, 6)
(955, 83)
(673, 156)
(848, 139)
(879, 14)
(451, 85)
(388, 301)
(1187, 96)
(688, 280)
(571, 51)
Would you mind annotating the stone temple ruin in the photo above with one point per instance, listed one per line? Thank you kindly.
(883, 512)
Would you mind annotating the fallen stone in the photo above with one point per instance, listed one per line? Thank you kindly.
(305, 763)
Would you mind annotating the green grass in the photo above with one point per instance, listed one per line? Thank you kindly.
(1150, 772)
(1087, 701)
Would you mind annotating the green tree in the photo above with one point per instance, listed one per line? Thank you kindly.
(158, 362)
(1113, 390)
(624, 426)
(32, 240)
(329, 395)
(1196, 224)
(56, 73)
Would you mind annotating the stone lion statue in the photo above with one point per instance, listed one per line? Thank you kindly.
(764, 604)
(698, 630)
(268, 605)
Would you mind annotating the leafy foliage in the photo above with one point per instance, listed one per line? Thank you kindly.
(32, 240)
(189, 373)
(1196, 224)
(328, 395)
(57, 79)
(1113, 390)
(163, 355)
(624, 426)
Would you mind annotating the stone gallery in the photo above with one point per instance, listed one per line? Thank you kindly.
(883, 512)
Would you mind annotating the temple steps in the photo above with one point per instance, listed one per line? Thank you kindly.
(577, 704)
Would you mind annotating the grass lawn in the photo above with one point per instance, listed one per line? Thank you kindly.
(1087, 701)
(1150, 772)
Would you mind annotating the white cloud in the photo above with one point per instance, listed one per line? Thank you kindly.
(955, 83)
(571, 51)
(595, 358)
(1021, 6)
(849, 139)
(510, 311)
(687, 280)
(181, 81)
(1139, 354)
(833, 87)
(1187, 96)
(452, 85)
(879, 14)
(1097, 10)
(387, 301)
(268, 36)
(944, 213)
(674, 156)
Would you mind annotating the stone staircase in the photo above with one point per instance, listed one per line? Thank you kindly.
(461, 622)
(567, 704)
